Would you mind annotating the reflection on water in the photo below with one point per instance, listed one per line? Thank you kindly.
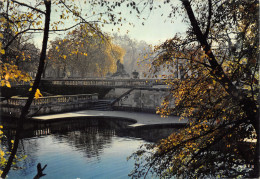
(90, 148)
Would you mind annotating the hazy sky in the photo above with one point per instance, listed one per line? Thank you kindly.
(156, 28)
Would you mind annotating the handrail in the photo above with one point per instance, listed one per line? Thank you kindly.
(98, 82)
(52, 100)
(106, 82)
(121, 96)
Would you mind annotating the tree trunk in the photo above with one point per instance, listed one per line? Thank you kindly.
(36, 83)
(247, 105)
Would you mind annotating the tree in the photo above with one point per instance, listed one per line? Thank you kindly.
(218, 94)
(93, 56)
(18, 18)
(134, 51)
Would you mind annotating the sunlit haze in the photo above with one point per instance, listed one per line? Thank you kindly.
(152, 27)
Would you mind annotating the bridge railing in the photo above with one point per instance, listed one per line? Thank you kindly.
(106, 82)
(98, 82)
(52, 100)
(46, 105)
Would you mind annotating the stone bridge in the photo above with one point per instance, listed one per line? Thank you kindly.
(63, 95)
(12, 107)
(103, 82)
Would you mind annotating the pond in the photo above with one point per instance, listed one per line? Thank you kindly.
(79, 148)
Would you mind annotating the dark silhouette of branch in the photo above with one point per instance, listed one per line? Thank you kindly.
(39, 171)
(209, 19)
(26, 5)
(247, 104)
(10, 42)
(29, 29)
(36, 83)
(216, 68)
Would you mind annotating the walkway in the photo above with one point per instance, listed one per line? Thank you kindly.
(140, 118)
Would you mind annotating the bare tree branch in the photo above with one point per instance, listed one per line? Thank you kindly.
(209, 19)
(26, 5)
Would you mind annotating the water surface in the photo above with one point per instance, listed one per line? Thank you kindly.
(80, 148)
(76, 149)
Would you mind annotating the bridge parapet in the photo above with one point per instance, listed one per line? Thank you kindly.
(20, 101)
(106, 82)
(49, 104)
(122, 83)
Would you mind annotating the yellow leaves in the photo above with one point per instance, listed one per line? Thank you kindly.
(5, 82)
(243, 61)
(7, 76)
(39, 22)
(30, 16)
(2, 20)
(214, 82)
(8, 84)
(2, 51)
(9, 72)
(37, 93)
(2, 83)
(1, 153)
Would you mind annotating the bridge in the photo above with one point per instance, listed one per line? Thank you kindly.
(106, 82)
(12, 107)
(99, 82)
(64, 95)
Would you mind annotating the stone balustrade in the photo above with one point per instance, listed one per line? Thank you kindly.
(52, 100)
(106, 82)
(49, 104)
(98, 82)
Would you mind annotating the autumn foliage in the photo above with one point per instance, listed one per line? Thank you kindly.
(86, 53)
(22, 20)
(217, 92)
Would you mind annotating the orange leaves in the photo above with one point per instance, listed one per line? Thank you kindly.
(37, 93)
(82, 48)
(5, 83)
(10, 73)
(7, 77)
(2, 51)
